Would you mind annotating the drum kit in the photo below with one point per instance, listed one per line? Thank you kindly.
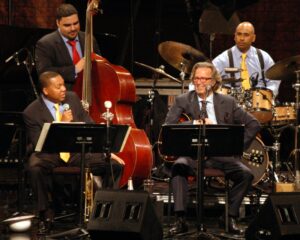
(258, 101)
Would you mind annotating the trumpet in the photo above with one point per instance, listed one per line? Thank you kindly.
(89, 194)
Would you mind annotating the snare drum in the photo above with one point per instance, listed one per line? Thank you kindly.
(284, 114)
(261, 102)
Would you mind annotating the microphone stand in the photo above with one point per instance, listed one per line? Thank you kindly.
(108, 116)
(200, 158)
(29, 63)
(202, 143)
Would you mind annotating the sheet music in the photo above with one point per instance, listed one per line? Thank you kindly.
(42, 137)
(125, 139)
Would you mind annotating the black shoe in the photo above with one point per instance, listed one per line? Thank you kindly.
(179, 226)
(46, 221)
(232, 226)
(43, 228)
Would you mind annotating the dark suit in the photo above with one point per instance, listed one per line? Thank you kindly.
(227, 112)
(51, 54)
(40, 164)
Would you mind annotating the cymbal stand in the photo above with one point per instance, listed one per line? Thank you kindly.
(182, 75)
(296, 86)
(275, 166)
(212, 37)
(150, 100)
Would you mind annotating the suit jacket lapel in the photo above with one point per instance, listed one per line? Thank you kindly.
(195, 106)
(45, 113)
(218, 107)
(62, 49)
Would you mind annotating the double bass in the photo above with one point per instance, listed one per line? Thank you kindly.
(102, 81)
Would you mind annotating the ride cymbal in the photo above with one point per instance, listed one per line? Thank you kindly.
(180, 56)
(284, 69)
(158, 71)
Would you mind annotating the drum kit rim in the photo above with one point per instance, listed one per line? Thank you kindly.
(258, 101)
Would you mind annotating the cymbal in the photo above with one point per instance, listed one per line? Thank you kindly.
(180, 56)
(158, 70)
(284, 68)
(231, 80)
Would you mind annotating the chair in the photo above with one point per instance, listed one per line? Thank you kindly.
(209, 172)
(213, 172)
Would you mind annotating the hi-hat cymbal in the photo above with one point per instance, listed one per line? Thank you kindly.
(284, 69)
(158, 70)
(180, 56)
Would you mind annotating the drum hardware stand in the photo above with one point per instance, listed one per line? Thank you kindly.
(150, 100)
(182, 76)
(296, 86)
(275, 166)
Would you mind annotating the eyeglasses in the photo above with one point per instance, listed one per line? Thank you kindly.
(198, 79)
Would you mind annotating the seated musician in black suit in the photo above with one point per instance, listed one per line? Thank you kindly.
(41, 164)
(220, 109)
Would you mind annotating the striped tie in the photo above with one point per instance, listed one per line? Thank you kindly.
(65, 156)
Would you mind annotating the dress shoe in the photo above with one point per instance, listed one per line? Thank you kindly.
(46, 220)
(232, 226)
(179, 226)
(43, 228)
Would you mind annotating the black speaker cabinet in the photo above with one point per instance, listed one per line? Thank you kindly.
(123, 215)
(278, 218)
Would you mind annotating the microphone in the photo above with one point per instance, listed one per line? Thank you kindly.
(66, 107)
(107, 104)
(108, 116)
(208, 89)
(254, 79)
(14, 56)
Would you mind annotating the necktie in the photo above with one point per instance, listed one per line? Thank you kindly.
(75, 53)
(203, 111)
(245, 73)
(63, 155)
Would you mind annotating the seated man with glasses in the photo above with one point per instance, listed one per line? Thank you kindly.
(220, 109)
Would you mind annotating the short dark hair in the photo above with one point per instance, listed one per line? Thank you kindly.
(65, 10)
(45, 78)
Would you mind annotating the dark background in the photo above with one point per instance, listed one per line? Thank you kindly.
(131, 30)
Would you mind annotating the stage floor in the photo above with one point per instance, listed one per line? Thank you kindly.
(213, 208)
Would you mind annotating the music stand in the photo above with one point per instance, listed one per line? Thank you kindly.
(220, 140)
(81, 138)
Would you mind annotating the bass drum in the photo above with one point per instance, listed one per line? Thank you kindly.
(257, 159)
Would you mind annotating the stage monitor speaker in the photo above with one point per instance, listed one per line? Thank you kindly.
(278, 218)
(123, 215)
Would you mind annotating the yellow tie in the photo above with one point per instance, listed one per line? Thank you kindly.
(63, 155)
(244, 73)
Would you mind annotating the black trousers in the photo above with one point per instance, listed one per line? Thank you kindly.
(233, 168)
(40, 168)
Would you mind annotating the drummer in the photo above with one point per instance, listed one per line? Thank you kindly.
(257, 61)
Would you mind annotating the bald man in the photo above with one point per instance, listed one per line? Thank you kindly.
(257, 60)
